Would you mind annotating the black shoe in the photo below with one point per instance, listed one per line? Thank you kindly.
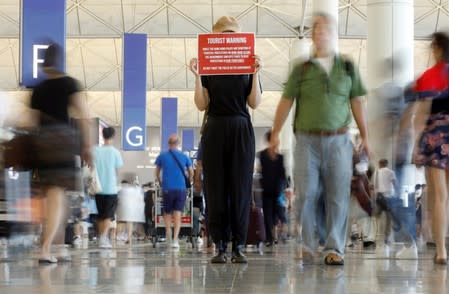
(238, 256)
(369, 245)
(219, 258)
(269, 244)
(431, 244)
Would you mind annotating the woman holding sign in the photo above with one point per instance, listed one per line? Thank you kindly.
(229, 148)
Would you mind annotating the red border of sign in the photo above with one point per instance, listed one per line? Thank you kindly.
(242, 61)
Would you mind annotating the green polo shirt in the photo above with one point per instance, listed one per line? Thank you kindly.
(324, 100)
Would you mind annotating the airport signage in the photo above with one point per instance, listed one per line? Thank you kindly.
(134, 93)
(226, 53)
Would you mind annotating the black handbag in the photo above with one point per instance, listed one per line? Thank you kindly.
(186, 178)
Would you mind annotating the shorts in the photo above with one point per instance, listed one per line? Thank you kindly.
(174, 200)
(382, 203)
(106, 205)
(280, 214)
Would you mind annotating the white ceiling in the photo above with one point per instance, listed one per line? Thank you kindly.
(94, 45)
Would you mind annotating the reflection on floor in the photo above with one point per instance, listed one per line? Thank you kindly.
(142, 269)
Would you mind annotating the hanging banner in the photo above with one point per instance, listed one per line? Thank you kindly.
(134, 94)
(226, 54)
(188, 139)
(169, 120)
(43, 23)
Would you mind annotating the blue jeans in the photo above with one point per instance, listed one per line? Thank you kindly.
(404, 218)
(324, 164)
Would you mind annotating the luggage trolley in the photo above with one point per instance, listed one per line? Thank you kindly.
(186, 218)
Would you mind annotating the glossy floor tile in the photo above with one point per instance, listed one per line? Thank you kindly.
(142, 269)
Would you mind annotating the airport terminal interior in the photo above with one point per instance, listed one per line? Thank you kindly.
(139, 76)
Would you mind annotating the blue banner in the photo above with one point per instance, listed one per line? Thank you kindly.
(169, 120)
(134, 99)
(188, 139)
(43, 22)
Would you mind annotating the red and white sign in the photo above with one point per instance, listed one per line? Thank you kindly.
(226, 53)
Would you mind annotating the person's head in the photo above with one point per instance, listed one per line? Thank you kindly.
(268, 136)
(108, 134)
(52, 59)
(440, 47)
(173, 141)
(324, 32)
(226, 24)
(383, 163)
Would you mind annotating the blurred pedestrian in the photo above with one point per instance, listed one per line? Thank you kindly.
(432, 124)
(176, 169)
(107, 162)
(57, 143)
(327, 88)
(273, 183)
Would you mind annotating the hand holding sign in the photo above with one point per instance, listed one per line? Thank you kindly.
(258, 63)
(194, 66)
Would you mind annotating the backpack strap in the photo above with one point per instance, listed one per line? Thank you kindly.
(349, 66)
(303, 68)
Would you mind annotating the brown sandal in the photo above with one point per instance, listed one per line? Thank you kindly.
(438, 260)
(333, 259)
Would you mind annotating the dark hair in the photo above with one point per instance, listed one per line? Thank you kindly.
(383, 161)
(108, 133)
(125, 182)
(52, 56)
(417, 187)
(441, 40)
(268, 136)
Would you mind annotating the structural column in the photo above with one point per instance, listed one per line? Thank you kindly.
(327, 6)
(299, 52)
(390, 65)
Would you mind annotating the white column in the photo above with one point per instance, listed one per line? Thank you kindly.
(299, 52)
(327, 6)
(390, 36)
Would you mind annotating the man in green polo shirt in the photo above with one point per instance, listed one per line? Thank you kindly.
(327, 89)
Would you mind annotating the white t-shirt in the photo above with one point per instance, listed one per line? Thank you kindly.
(327, 63)
(384, 181)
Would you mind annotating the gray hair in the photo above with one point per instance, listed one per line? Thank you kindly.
(330, 19)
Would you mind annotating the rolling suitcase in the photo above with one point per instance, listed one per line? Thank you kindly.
(256, 227)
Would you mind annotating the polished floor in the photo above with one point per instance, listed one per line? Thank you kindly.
(140, 268)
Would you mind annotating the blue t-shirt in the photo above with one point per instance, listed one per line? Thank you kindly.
(172, 177)
(282, 200)
(107, 160)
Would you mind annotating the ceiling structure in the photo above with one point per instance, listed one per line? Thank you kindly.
(94, 46)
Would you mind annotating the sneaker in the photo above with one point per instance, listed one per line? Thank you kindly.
(383, 251)
(104, 243)
(238, 257)
(219, 258)
(77, 241)
(269, 245)
(199, 241)
(408, 252)
(175, 245)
